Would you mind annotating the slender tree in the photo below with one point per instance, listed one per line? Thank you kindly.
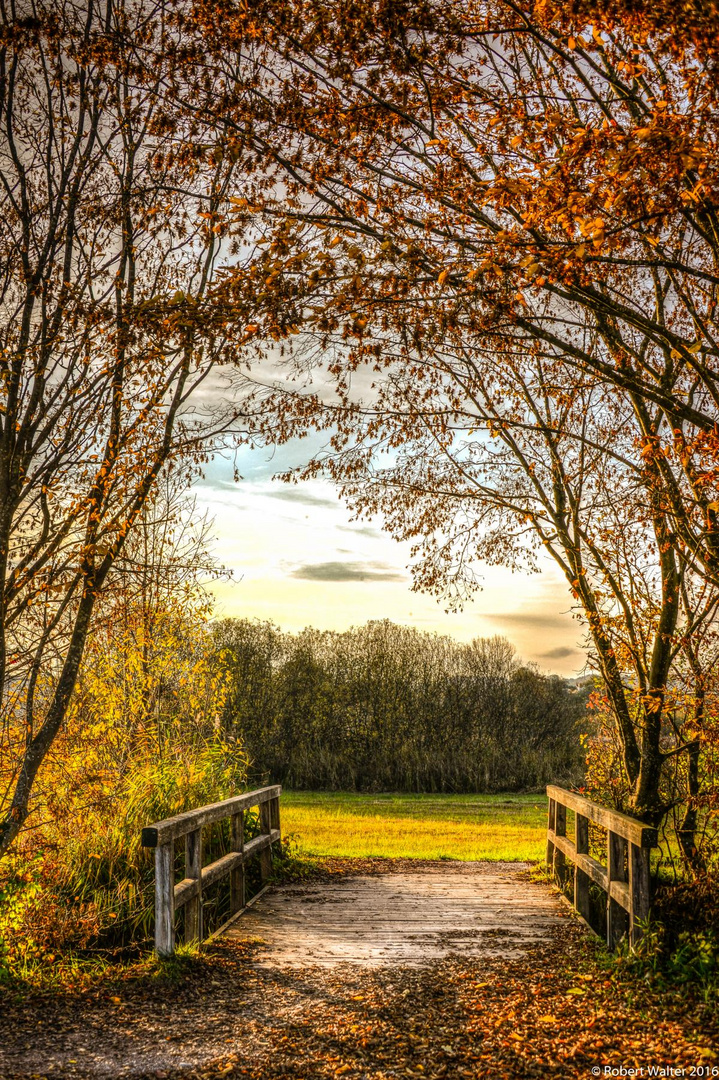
(107, 256)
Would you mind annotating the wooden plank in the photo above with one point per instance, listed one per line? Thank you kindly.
(627, 827)
(172, 828)
(259, 843)
(266, 850)
(560, 832)
(618, 897)
(638, 890)
(221, 868)
(581, 878)
(551, 822)
(185, 890)
(237, 874)
(165, 899)
(193, 871)
(590, 866)
(411, 918)
(275, 814)
(619, 892)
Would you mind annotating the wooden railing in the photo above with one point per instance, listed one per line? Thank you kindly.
(625, 878)
(162, 837)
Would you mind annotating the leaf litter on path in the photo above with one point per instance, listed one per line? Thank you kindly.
(555, 1012)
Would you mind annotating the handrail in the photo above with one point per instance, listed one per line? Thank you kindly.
(626, 876)
(162, 836)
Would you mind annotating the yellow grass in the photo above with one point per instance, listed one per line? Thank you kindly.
(465, 827)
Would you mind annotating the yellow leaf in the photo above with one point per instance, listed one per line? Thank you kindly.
(642, 133)
(574, 990)
(547, 1019)
(572, 43)
(443, 277)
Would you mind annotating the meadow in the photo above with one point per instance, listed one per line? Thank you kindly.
(465, 827)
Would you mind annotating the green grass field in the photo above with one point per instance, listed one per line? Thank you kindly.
(496, 827)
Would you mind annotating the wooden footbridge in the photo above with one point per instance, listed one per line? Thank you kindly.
(410, 917)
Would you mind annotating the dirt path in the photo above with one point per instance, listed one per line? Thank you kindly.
(478, 1006)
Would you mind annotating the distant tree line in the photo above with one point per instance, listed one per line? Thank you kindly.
(385, 707)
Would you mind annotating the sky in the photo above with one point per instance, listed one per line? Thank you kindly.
(298, 559)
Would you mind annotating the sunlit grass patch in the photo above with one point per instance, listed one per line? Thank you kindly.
(465, 827)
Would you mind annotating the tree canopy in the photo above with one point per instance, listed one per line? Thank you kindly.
(496, 226)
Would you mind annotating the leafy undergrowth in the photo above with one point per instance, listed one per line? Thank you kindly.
(562, 1010)
(54, 943)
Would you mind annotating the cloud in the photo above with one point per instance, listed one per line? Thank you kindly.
(531, 619)
(347, 571)
(361, 530)
(560, 653)
(306, 497)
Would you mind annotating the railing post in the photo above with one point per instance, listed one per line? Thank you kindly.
(237, 876)
(266, 853)
(193, 869)
(581, 880)
(165, 898)
(275, 815)
(551, 822)
(638, 890)
(616, 915)
(560, 828)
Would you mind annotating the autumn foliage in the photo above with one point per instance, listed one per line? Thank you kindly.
(481, 241)
(495, 228)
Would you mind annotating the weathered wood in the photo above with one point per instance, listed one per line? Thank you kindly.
(260, 843)
(626, 878)
(221, 867)
(581, 878)
(172, 828)
(237, 875)
(639, 890)
(266, 851)
(551, 822)
(416, 918)
(560, 830)
(274, 805)
(185, 890)
(188, 888)
(627, 827)
(188, 892)
(165, 898)
(618, 898)
(193, 872)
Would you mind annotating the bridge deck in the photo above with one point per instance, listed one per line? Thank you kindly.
(410, 917)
